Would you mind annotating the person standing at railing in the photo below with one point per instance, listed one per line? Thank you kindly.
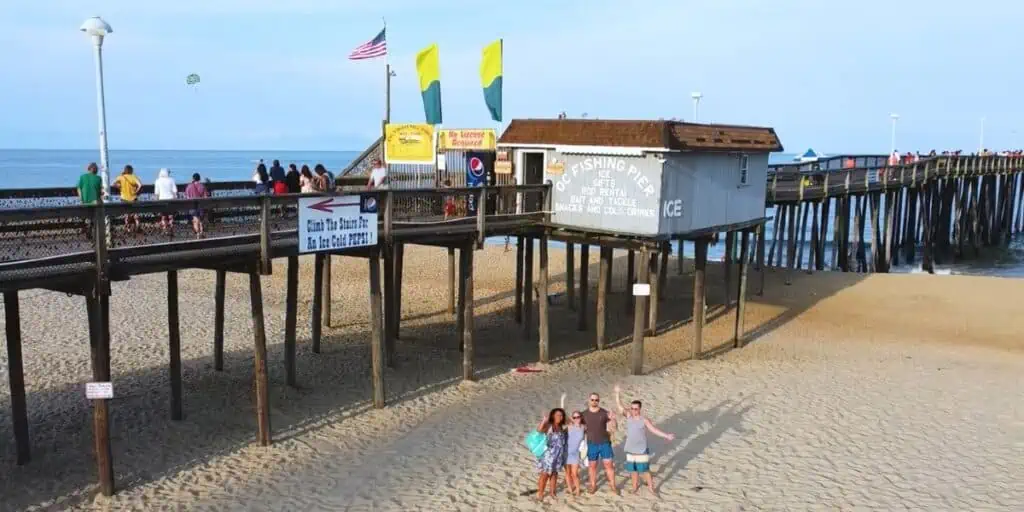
(307, 183)
(278, 178)
(378, 175)
(164, 188)
(129, 186)
(323, 181)
(196, 190)
(292, 179)
(88, 190)
(262, 180)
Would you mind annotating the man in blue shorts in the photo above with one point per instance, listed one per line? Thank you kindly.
(599, 423)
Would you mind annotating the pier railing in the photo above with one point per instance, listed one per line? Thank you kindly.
(46, 242)
(789, 184)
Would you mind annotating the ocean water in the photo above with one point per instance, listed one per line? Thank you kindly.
(34, 168)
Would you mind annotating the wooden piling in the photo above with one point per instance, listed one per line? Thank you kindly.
(528, 290)
(666, 249)
(680, 260)
(519, 277)
(775, 234)
(804, 209)
(700, 262)
(604, 281)
(581, 315)
(791, 245)
(875, 202)
(291, 318)
(466, 271)
(218, 321)
(741, 293)
(654, 281)
(16, 377)
(826, 204)
(630, 279)
(727, 268)
(814, 253)
(399, 270)
(761, 235)
(174, 344)
(376, 331)
(328, 303)
(99, 313)
(260, 361)
(544, 335)
(389, 305)
(570, 275)
(639, 320)
(316, 320)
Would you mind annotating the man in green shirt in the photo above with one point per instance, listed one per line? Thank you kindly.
(89, 185)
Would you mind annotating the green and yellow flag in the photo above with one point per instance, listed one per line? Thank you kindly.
(490, 78)
(428, 65)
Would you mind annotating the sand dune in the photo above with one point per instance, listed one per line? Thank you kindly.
(858, 392)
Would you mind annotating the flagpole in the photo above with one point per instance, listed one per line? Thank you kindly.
(387, 79)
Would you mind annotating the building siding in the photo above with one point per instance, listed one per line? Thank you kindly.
(703, 190)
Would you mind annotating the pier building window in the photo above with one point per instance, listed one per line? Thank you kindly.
(744, 161)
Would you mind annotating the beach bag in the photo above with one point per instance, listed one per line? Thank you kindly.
(583, 451)
(537, 443)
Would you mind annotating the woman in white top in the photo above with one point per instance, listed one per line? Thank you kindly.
(164, 188)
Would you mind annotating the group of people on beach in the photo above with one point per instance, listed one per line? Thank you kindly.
(586, 439)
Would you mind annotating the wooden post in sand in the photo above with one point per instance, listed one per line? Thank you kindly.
(604, 281)
(581, 315)
(814, 254)
(16, 376)
(519, 279)
(700, 262)
(399, 266)
(666, 249)
(654, 281)
(679, 259)
(218, 321)
(466, 306)
(630, 278)
(570, 274)
(727, 260)
(99, 330)
(389, 304)
(290, 318)
(451, 283)
(639, 320)
(174, 344)
(544, 336)
(376, 328)
(528, 289)
(260, 361)
(741, 293)
(316, 322)
(460, 309)
(328, 303)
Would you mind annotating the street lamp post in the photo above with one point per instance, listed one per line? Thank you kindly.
(892, 144)
(696, 105)
(96, 28)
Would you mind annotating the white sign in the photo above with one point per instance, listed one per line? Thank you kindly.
(641, 289)
(442, 162)
(99, 390)
(337, 222)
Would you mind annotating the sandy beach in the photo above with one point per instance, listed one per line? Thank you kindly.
(855, 392)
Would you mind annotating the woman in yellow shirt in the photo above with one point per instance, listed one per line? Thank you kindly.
(129, 186)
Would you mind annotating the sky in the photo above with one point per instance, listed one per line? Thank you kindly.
(275, 74)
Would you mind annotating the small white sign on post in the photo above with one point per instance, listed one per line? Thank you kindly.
(337, 222)
(99, 390)
(442, 162)
(641, 289)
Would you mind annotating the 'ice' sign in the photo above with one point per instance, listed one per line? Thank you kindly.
(337, 222)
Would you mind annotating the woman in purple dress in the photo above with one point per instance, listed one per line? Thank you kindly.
(553, 460)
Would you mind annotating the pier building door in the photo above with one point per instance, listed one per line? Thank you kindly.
(533, 174)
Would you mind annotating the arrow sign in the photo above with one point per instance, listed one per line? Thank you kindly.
(328, 206)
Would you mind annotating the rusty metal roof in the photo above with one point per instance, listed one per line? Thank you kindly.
(667, 135)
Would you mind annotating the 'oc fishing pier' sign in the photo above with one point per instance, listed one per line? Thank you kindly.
(338, 222)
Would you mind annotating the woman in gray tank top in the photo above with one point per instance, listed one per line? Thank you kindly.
(637, 455)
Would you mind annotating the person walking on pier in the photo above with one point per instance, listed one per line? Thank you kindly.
(196, 190)
(637, 454)
(164, 188)
(129, 186)
(599, 423)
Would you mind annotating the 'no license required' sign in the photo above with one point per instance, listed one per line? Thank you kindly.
(338, 222)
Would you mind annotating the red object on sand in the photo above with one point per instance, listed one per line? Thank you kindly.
(527, 369)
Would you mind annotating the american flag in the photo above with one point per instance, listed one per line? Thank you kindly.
(376, 47)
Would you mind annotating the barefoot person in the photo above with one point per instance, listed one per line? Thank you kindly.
(553, 460)
(576, 432)
(637, 454)
(129, 186)
(598, 424)
(196, 190)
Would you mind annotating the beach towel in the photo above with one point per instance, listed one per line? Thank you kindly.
(537, 443)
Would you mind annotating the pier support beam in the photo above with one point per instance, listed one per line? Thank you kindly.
(584, 307)
(399, 268)
(16, 376)
(174, 344)
(260, 361)
(218, 321)
(741, 294)
(451, 283)
(654, 281)
(727, 268)
(328, 303)
(666, 249)
(466, 305)
(700, 263)
(639, 319)
(376, 331)
(630, 279)
(290, 318)
(528, 289)
(570, 275)
(544, 336)
(99, 330)
(680, 259)
(519, 278)
(604, 282)
(389, 305)
(316, 320)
